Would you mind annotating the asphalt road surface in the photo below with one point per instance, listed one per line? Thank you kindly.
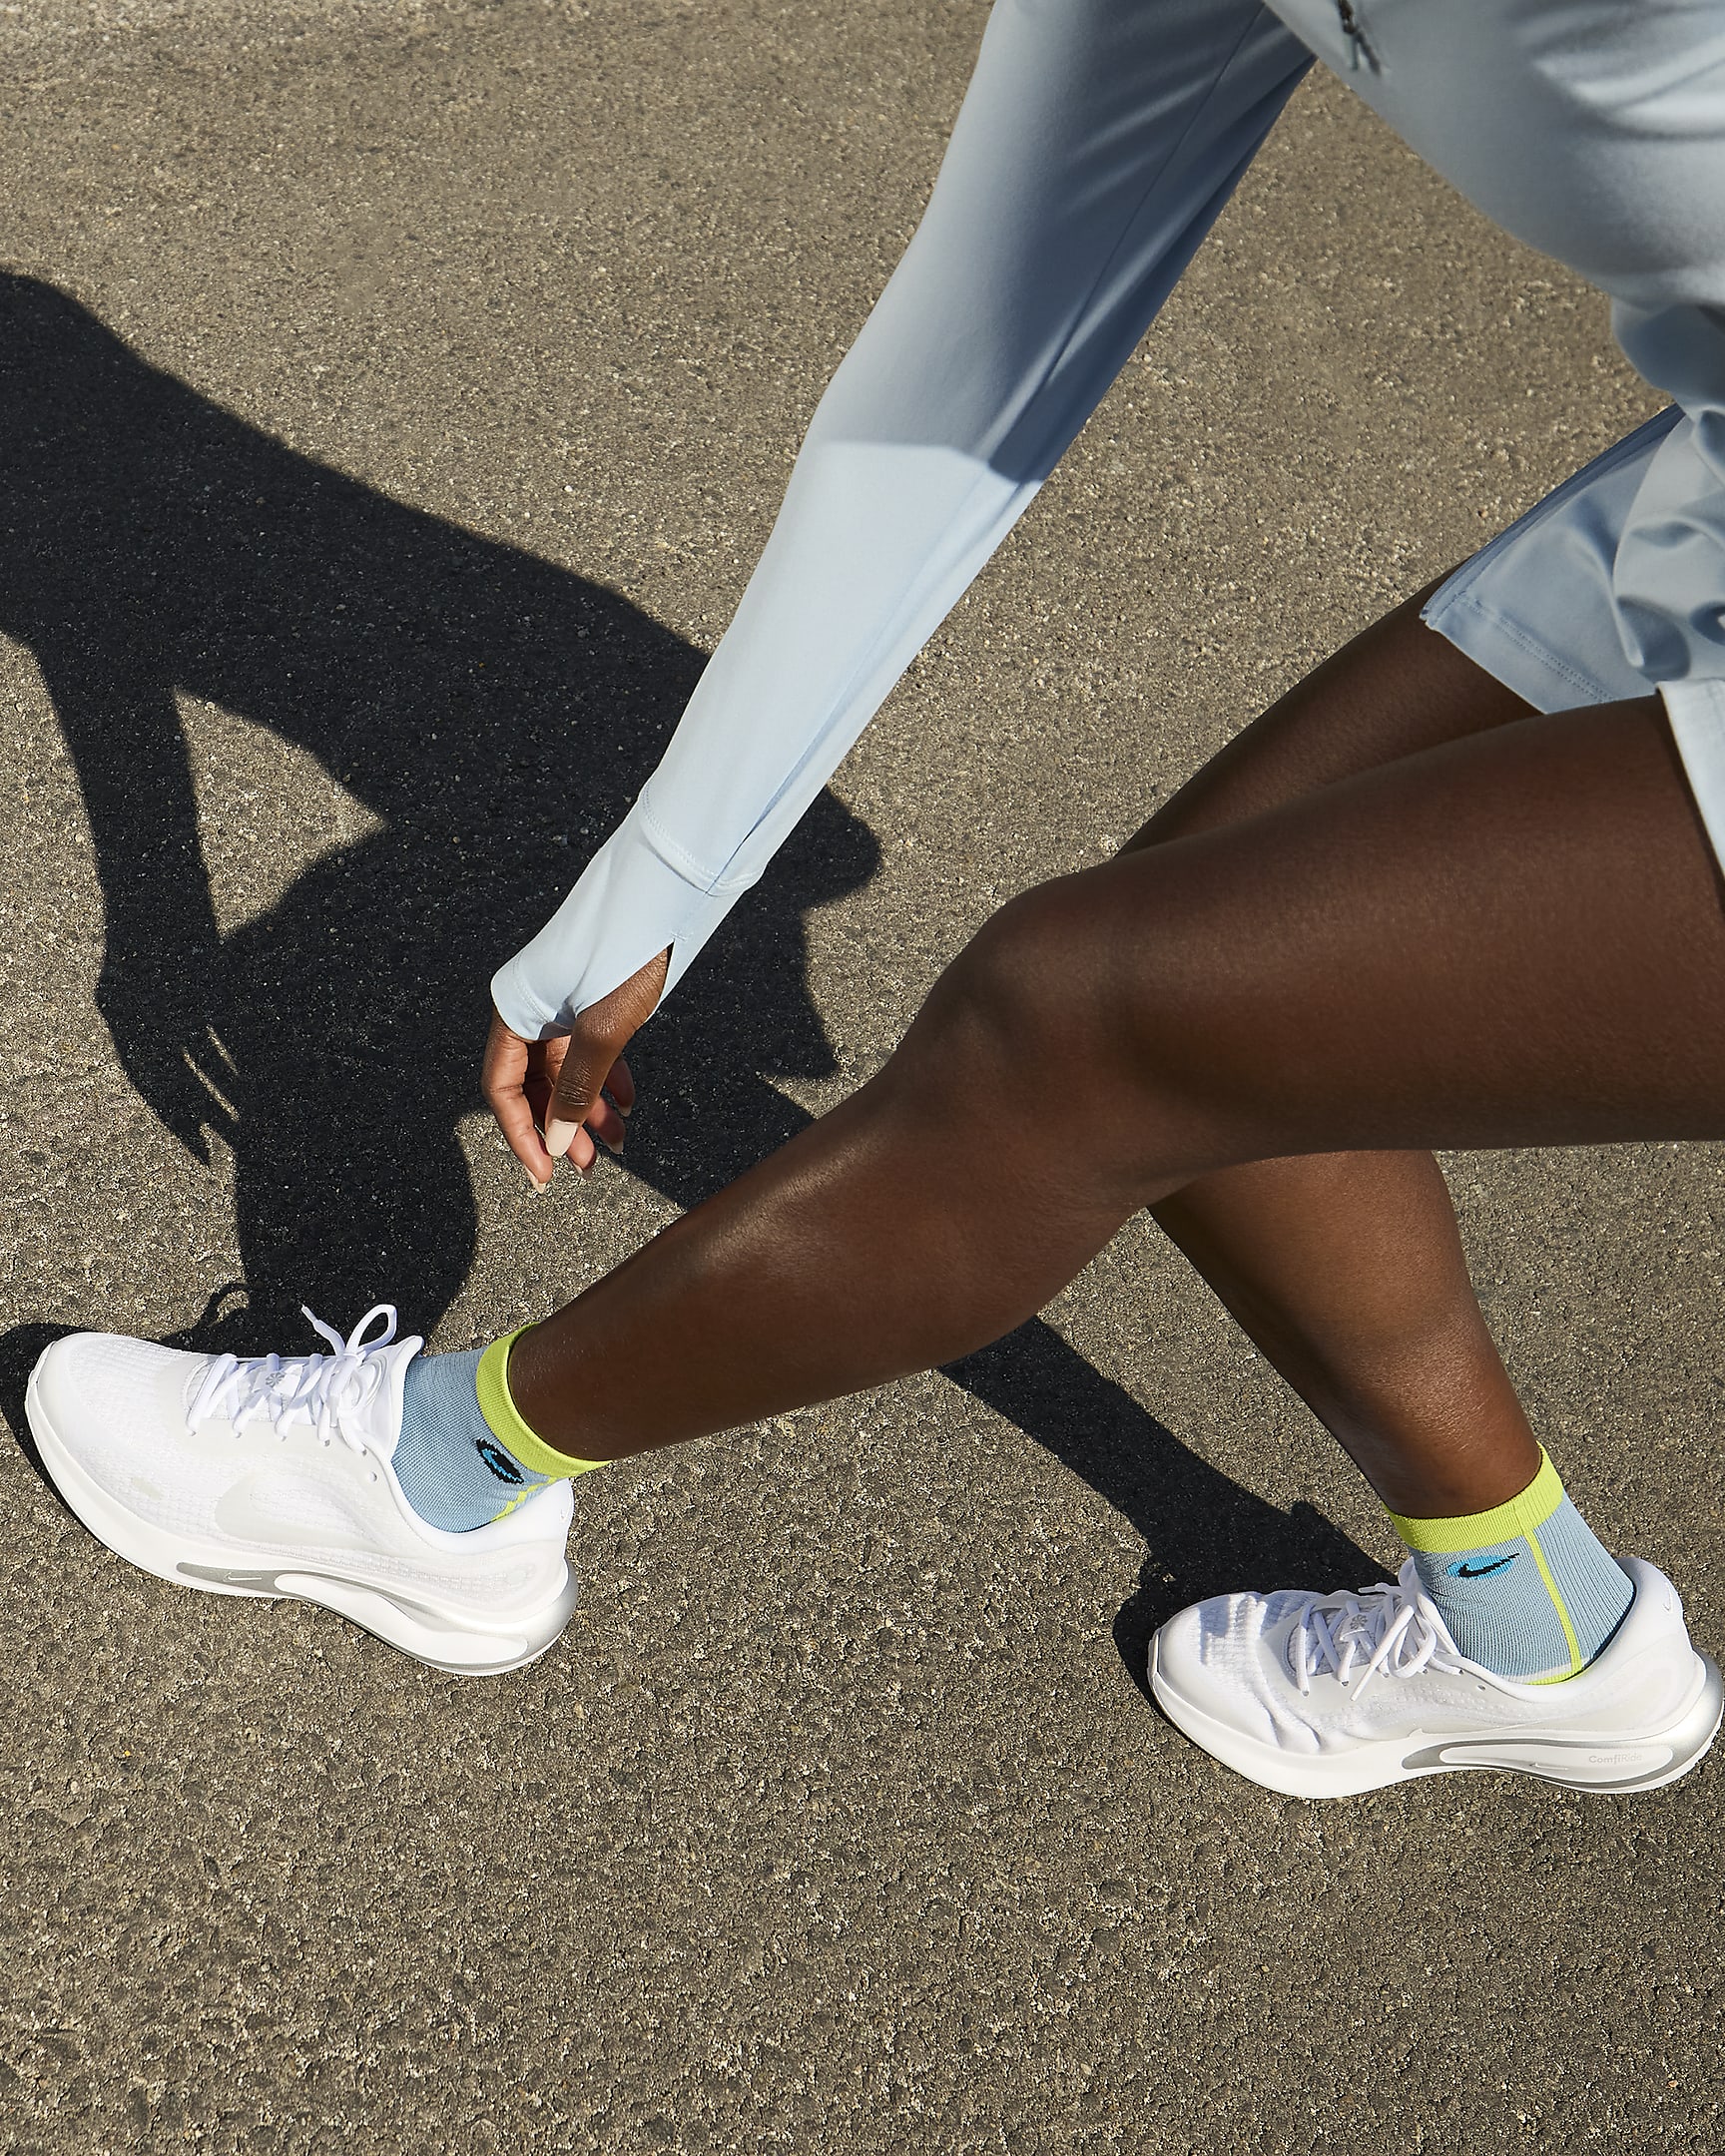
(392, 401)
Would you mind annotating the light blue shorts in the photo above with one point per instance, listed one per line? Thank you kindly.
(1534, 609)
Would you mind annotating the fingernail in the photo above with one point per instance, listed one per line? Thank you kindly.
(557, 1136)
(541, 1188)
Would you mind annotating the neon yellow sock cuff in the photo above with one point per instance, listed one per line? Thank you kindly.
(504, 1417)
(1476, 1530)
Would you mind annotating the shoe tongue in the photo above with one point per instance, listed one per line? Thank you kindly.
(380, 1419)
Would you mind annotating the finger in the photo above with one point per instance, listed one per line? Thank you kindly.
(595, 1046)
(502, 1079)
(520, 1134)
(607, 1125)
(546, 1060)
(621, 1087)
(548, 1057)
(586, 1066)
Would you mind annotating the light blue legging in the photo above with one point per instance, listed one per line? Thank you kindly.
(1097, 142)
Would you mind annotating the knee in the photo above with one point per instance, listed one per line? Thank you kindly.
(1067, 1012)
(1032, 996)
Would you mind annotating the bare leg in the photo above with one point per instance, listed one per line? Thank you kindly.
(1512, 940)
(1347, 1270)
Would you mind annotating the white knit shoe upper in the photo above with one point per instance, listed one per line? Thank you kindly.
(1327, 1694)
(264, 1476)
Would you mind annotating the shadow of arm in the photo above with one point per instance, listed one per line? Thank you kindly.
(161, 954)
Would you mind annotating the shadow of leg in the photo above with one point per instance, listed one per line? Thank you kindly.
(1205, 1533)
(20, 1350)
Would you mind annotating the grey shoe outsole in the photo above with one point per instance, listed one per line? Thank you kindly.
(1592, 1765)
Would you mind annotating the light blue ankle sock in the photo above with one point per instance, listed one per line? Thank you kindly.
(453, 1470)
(1525, 1589)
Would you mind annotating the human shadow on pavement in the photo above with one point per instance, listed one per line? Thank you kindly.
(19, 1351)
(496, 714)
(1204, 1533)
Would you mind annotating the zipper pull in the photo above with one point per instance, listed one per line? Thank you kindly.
(1359, 44)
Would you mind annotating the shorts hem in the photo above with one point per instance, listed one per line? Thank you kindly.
(1512, 655)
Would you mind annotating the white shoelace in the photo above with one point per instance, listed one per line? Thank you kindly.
(1390, 1628)
(326, 1391)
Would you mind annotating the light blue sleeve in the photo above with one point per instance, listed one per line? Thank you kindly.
(1095, 145)
(1596, 132)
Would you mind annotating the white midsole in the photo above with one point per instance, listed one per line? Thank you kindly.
(418, 1621)
(1602, 1763)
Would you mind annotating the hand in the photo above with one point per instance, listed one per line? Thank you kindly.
(563, 1084)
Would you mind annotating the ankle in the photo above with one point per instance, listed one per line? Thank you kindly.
(1443, 1471)
(498, 1383)
(544, 1403)
(1524, 1587)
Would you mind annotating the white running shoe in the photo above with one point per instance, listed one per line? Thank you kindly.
(264, 1477)
(1329, 1695)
